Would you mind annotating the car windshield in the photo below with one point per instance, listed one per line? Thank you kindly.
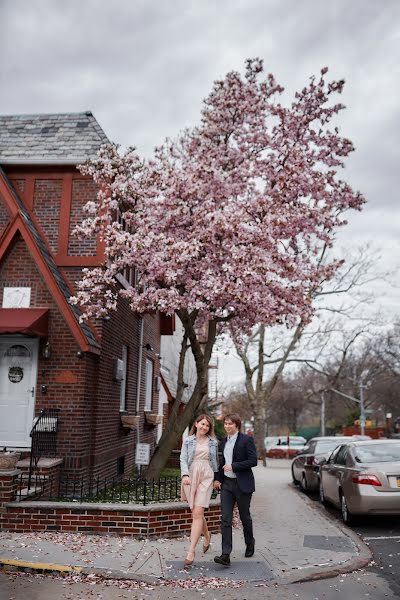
(296, 443)
(326, 445)
(374, 453)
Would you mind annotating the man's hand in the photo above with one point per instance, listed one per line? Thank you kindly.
(227, 468)
(186, 480)
(217, 485)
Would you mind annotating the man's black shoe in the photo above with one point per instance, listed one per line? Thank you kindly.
(249, 550)
(223, 560)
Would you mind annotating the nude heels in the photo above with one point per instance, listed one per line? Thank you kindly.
(189, 561)
(206, 544)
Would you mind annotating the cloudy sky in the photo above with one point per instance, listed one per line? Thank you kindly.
(143, 68)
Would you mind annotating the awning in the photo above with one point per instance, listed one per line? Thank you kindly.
(28, 321)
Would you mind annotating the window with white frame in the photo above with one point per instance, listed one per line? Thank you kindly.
(122, 391)
(149, 384)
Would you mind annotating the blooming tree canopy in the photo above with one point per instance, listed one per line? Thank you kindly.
(223, 224)
(225, 221)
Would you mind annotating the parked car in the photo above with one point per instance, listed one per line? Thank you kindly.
(305, 466)
(362, 478)
(278, 447)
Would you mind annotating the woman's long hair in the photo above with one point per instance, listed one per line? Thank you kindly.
(209, 420)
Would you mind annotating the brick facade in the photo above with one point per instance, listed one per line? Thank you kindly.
(167, 520)
(91, 439)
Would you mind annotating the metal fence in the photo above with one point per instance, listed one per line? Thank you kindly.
(115, 490)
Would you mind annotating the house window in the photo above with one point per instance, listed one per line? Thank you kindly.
(120, 465)
(122, 391)
(149, 384)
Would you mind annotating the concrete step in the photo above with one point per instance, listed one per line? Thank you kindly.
(25, 493)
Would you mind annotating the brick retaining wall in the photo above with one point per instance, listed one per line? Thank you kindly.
(161, 520)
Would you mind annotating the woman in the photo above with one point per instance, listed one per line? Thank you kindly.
(199, 463)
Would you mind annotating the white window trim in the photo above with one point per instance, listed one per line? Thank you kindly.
(148, 392)
(122, 391)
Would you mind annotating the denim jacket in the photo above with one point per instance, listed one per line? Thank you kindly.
(188, 450)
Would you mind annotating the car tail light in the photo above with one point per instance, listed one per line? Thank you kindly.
(311, 460)
(366, 479)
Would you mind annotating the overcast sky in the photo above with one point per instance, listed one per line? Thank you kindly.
(143, 68)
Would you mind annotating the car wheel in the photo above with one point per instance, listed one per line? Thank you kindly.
(348, 518)
(322, 498)
(295, 481)
(304, 484)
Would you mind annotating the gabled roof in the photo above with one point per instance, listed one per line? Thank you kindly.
(67, 138)
(23, 222)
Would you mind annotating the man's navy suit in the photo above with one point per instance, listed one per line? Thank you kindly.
(238, 490)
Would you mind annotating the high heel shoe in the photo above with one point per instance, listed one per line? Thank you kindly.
(207, 543)
(189, 561)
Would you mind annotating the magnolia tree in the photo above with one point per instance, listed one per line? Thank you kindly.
(222, 223)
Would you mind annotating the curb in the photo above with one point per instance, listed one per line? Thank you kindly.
(353, 564)
(7, 564)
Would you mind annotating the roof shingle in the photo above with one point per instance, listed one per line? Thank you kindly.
(49, 138)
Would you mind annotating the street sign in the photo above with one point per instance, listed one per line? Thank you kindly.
(142, 454)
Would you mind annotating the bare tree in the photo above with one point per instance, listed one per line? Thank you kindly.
(335, 301)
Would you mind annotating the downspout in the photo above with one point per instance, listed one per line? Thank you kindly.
(139, 374)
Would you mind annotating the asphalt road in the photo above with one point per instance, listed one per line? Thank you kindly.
(382, 535)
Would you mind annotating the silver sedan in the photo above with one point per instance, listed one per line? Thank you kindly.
(363, 478)
(305, 466)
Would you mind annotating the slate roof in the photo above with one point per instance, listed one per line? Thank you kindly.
(69, 138)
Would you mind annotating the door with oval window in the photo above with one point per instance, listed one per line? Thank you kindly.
(18, 374)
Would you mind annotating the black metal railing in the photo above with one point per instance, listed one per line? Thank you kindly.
(99, 489)
(44, 438)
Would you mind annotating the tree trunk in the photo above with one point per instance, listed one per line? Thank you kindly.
(178, 422)
(171, 435)
(260, 431)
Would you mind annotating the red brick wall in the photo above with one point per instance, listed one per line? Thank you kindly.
(83, 190)
(4, 216)
(74, 399)
(8, 487)
(91, 437)
(46, 191)
(171, 520)
(111, 440)
(46, 206)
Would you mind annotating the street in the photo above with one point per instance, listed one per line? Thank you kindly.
(356, 586)
(382, 535)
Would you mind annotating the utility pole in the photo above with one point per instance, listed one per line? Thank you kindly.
(362, 409)
(322, 426)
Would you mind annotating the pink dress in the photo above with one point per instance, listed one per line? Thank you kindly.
(198, 493)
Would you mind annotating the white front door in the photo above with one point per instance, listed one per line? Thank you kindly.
(18, 373)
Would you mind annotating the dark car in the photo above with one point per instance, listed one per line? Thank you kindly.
(363, 478)
(305, 466)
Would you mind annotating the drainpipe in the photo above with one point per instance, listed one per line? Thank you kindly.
(139, 373)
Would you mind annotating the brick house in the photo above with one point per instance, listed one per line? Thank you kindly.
(99, 375)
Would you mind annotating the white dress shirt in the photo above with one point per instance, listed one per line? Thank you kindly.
(228, 454)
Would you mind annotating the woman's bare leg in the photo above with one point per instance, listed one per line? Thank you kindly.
(205, 530)
(197, 527)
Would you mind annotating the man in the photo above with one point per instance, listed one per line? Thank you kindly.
(235, 479)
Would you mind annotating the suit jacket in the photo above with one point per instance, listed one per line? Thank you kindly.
(244, 458)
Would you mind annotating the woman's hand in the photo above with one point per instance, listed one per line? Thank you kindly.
(217, 485)
(186, 480)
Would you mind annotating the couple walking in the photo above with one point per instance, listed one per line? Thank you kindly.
(201, 473)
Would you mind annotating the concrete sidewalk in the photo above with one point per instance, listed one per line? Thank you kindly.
(295, 541)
